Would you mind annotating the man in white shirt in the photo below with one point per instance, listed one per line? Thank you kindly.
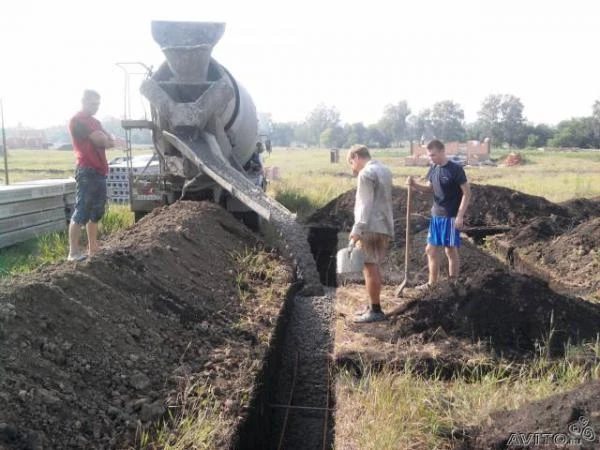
(373, 223)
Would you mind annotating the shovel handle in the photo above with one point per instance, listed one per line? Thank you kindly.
(407, 238)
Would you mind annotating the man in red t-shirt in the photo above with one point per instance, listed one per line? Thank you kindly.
(90, 141)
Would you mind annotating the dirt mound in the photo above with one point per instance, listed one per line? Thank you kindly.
(490, 206)
(495, 205)
(568, 420)
(583, 208)
(91, 352)
(573, 258)
(515, 315)
(540, 229)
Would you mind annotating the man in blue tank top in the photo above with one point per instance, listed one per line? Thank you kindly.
(451, 195)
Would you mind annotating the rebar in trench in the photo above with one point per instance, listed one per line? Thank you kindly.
(287, 411)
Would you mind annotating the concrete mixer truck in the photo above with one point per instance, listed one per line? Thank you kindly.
(204, 126)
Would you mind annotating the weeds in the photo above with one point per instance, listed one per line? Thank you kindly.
(390, 410)
(53, 247)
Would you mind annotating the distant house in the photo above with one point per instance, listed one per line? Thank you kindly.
(21, 137)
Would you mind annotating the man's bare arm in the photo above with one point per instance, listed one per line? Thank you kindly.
(101, 139)
(464, 204)
(410, 181)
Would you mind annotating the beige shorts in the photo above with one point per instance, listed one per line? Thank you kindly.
(375, 246)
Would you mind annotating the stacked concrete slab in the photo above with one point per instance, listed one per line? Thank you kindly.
(117, 182)
(33, 208)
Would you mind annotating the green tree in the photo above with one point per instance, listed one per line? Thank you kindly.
(535, 136)
(282, 134)
(376, 137)
(265, 123)
(596, 121)
(447, 121)
(334, 136)
(318, 120)
(356, 133)
(576, 132)
(420, 126)
(394, 121)
(501, 118)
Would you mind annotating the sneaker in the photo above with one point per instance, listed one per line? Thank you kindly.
(360, 312)
(77, 258)
(371, 316)
(423, 287)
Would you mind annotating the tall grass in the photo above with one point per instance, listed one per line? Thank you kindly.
(53, 247)
(389, 410)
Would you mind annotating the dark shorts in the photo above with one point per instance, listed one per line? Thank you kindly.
(90, 199)
(375, 247)
(443, 233)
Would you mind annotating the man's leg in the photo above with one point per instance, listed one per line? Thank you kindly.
(98, 206)
(453, 261)
(372, 275)
(433, 262)
(373, 284)
(92, 235)
(74, 237)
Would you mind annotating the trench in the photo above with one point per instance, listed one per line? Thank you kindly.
(294, 402)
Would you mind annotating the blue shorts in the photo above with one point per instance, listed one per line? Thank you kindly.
(443, 233)
(90, 199)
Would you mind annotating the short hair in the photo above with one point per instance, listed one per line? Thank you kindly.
(89, 94)
(362, 151)
(436, 145)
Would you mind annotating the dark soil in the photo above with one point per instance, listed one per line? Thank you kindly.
(490, 206)
(91, 352)
(514, 314)
(573, 257)
(582, 209)
(573, 415)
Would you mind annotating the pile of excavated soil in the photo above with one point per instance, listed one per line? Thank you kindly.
(376, 346)
(573, 258)
(583, 208)
(91, 352)
(548, 227)
(493, 313)
(490, 206)
(568, 420)
(514, 314)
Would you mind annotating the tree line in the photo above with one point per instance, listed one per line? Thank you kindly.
(500, 118)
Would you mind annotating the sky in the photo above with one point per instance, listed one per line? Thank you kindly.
(291, 56)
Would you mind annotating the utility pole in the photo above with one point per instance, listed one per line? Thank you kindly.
(4, 151)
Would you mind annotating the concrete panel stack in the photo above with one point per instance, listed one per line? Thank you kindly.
(33, 208)
(117, 182)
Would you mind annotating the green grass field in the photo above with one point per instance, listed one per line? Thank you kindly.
(380, 410)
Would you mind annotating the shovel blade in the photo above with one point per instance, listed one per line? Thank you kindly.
(400, 288)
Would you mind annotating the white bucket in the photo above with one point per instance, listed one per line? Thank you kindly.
(350, 259)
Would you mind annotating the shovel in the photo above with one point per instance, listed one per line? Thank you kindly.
(400, 288)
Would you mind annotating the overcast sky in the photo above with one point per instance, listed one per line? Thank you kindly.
(291, 56)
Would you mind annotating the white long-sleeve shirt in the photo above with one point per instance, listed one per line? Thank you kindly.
(373, 205)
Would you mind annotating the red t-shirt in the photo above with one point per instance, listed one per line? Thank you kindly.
(86, 153)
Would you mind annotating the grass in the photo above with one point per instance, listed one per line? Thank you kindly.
(194, 422)
(390, 410)
(53, 247)
(309, 180)
(26, 165)
(382, 410)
